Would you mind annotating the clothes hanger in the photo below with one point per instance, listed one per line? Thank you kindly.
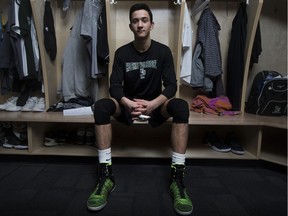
(198, 6)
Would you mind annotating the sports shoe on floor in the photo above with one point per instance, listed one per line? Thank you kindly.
(233, 142)
(181, 201)
(30, 103)
(11, 100)
(215, 143)
(104, 186)
(40, 105)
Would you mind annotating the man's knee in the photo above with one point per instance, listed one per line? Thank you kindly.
(103, 110)
(179, 110)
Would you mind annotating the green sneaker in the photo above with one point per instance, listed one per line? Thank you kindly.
(181, 201)
(105, 184)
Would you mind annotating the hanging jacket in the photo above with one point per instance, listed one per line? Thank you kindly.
(208, 28)
(235, 61)
(76, 64)
(50, 42)
(89, 31)
(206, 61)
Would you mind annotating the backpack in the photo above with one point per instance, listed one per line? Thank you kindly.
(268, 95)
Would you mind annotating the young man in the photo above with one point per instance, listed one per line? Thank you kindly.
(139, 70)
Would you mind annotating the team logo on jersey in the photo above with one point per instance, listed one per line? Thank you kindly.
(142, 73)
(141, 66)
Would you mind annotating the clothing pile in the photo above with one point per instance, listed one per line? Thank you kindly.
(216, 106)
(71, 104)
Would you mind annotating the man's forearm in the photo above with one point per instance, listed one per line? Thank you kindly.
(160, 100)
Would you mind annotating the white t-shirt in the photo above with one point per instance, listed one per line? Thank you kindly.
(186, 66)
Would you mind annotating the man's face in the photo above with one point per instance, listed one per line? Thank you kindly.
(141, 24)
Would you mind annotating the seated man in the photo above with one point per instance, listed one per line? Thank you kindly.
(140, 67)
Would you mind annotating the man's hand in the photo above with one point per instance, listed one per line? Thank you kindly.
(145, 107)
(134, 107)
(140, 106)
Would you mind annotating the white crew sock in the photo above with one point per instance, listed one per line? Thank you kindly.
(178, 158)
(104, 156)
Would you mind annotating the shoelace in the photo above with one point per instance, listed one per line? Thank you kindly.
(178, 175)
(100, 185)
(11, 100)
(180, 187)
(104, 174)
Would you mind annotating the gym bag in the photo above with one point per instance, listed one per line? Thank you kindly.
(268, 95)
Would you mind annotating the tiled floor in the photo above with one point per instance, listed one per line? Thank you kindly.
(61, 187)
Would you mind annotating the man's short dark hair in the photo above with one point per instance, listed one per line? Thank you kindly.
(140, 6)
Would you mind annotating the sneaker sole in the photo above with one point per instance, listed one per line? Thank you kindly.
(237, 152)
(217, 149)
(18, 147)
(9, 146)
(96, 208)
(183, 213)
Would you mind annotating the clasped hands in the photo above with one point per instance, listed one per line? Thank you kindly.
(139, 107)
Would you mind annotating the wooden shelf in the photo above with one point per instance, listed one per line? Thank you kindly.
(195, 119)
(43, 117)
(197, 150)
(274, 158)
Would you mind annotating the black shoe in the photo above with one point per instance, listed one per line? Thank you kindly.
(2, 134)
(12, 140)
(215, 143)
(90, 136)
(55, 138)
(233, 142)
(80, 136)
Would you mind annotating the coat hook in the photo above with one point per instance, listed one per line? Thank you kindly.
(113, 2)
(178, 2)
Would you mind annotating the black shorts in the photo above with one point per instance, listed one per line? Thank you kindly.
(156, 117)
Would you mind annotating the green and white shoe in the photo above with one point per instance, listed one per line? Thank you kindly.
(105, 185)
(181, 201)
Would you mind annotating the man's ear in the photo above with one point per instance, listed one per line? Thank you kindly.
(130, 26)
(152, 25)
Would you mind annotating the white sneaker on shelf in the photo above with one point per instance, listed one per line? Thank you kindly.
(11, 100)
(12, 107)
(30, 103)
(40, 105)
